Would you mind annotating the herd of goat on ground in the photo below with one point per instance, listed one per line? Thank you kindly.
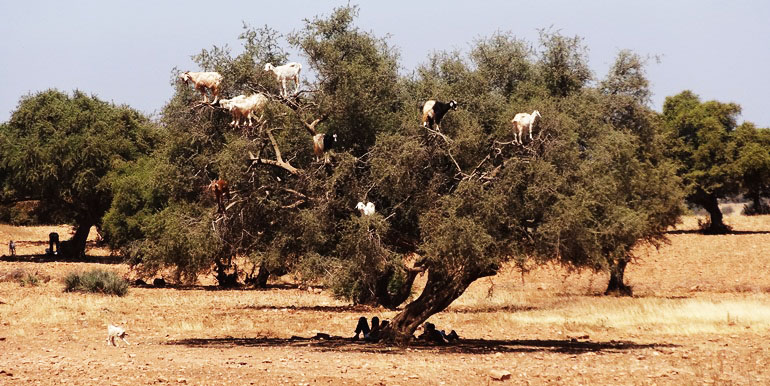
(243, 108)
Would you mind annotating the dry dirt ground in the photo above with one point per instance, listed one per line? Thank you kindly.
(701, 315)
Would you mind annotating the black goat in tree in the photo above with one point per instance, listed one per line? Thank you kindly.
(322, 143)
(433, 111)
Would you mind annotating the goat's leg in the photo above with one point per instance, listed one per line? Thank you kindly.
(202, 90)
(283, 87)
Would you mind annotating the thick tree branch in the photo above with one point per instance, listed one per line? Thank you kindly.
(283, 165)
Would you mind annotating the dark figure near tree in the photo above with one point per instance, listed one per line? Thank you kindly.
(370, 334)
(53, 240)
(430, 334)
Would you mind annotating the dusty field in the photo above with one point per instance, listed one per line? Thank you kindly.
(701, 315)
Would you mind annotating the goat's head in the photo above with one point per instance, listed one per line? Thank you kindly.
(536, 114)
(360, 206)
(269, 67)
(453, 104)
(185, 76)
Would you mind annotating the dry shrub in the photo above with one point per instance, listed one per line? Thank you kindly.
(97, 281)
(24, 277)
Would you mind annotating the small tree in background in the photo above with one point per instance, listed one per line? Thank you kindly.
(703, 142)
(645, 180)
(59, 148)
(753, 164)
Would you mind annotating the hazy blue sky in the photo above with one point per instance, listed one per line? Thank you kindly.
(124, 51)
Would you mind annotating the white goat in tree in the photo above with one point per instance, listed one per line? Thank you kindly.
(365, 210)
(289, 71)
(203, 81)
(522, 122)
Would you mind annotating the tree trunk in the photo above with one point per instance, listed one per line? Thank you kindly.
(710, 203)
(76, 246)
(225, 279)
(717, 226)
(616, 285)
(392, 300)
(440, 291)
(757, 205)
(262, 275)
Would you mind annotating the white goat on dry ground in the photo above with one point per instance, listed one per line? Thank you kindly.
(203, 81)
(522, 122)
(114, 332)
(289, 71)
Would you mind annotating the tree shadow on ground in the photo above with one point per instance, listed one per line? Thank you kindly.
(61, 259)
(700, 232)
(198, 287)
(495, 308)
(346, 308)
(463, 346)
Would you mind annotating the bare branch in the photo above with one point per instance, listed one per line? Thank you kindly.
(283, 165)
(294, 205)
(275, 145)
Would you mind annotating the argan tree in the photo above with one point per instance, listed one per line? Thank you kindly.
(456, 204)
(754, 166)
(702, 140)
(58, 149)
(645, 185)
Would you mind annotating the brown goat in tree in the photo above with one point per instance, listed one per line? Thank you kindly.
(221, 192)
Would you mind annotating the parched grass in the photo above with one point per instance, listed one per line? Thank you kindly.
(96, 281)
(659, 315)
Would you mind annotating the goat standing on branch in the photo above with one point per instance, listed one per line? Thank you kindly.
(322, 143)
(221, 192)
(203, 81)
(433, 111)
(365, 210)
(244, 107)
(289, 71)
(521, 122)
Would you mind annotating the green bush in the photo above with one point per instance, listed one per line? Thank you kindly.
(97, 280)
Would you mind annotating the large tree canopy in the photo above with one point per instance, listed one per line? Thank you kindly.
(457, 204)
(59, 148)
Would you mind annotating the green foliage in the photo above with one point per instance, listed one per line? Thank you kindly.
(356, 76)
(703, 141)
(563, 63)
(59, 148)
(179, 236)
(754, 165)
(96, 281)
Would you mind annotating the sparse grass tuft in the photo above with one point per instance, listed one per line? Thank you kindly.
(24, 277)
(97, 281)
